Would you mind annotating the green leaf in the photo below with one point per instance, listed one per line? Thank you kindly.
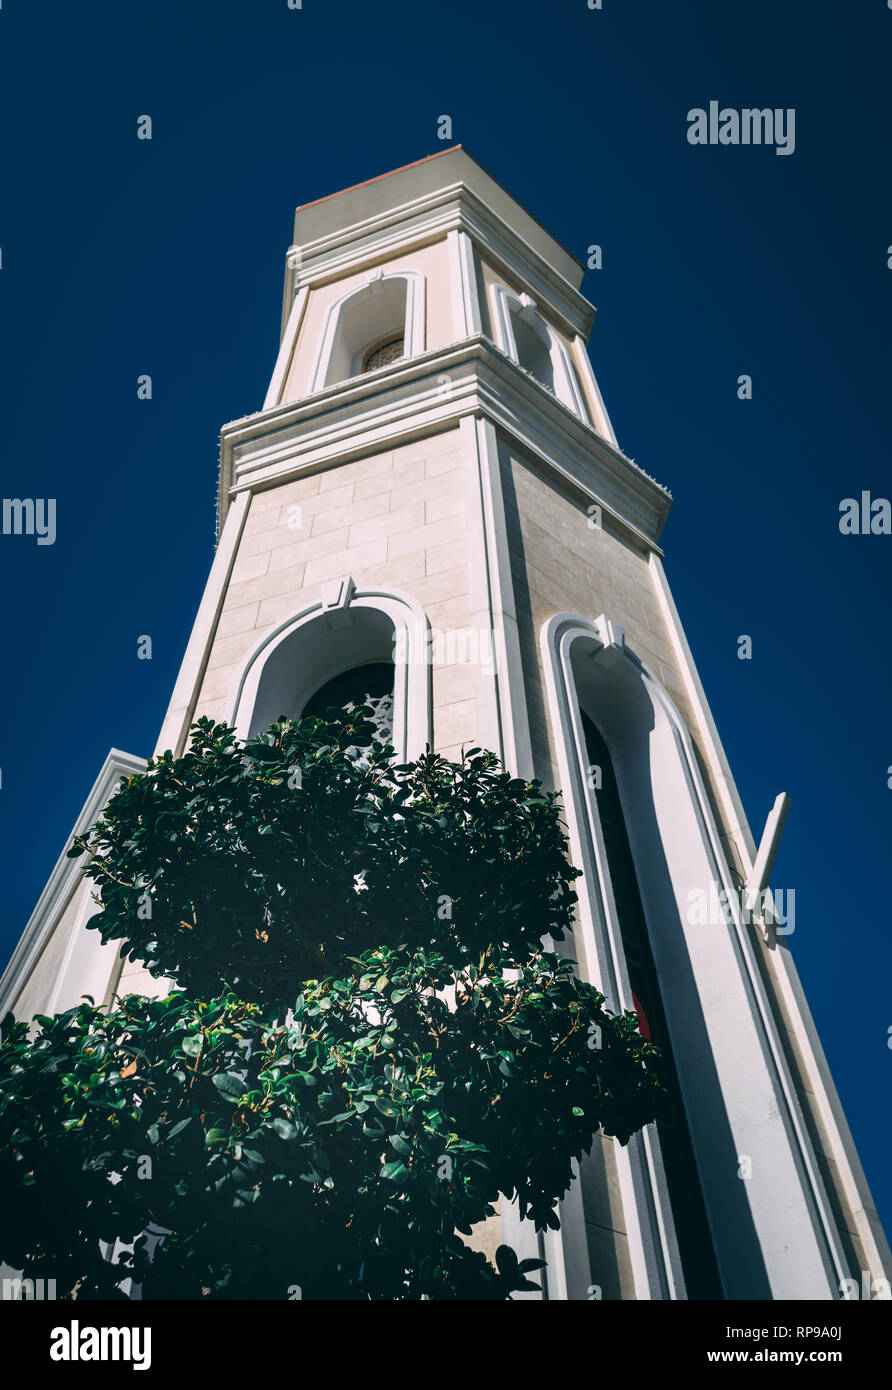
(304, 1077)
(506, 1260)
(230, 1086)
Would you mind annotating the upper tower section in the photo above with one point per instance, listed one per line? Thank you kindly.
(421, 258)
(415, 299)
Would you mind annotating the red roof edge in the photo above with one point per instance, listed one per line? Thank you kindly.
(377, 179)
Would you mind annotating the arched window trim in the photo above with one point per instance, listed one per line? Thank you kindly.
(653, 1248)
(505, 303)
(412, 690)
(413, 328)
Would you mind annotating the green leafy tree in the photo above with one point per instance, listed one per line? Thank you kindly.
(365, 1043)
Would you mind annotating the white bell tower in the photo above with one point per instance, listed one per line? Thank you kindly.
(433, 491)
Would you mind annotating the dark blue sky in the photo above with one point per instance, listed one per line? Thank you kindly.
(121, 257)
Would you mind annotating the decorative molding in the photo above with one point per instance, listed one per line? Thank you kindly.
(730, 803)
(286, 349)
(406, 401)
(501, 711)
(598, 410)
(854, 1189)
(612, 639)
(292, 268)
(334, 599)
(466, 320)
(188, 684)
(63, 880)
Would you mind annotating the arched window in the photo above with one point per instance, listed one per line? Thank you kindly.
(643, 832)
(371, 327)
(347, 648)
(533, 348)
(686, 1198)
(524, 335)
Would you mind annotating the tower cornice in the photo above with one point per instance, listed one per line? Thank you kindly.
(421, 222)
(427, 394)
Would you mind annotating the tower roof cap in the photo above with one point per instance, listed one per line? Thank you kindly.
(377, 196)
